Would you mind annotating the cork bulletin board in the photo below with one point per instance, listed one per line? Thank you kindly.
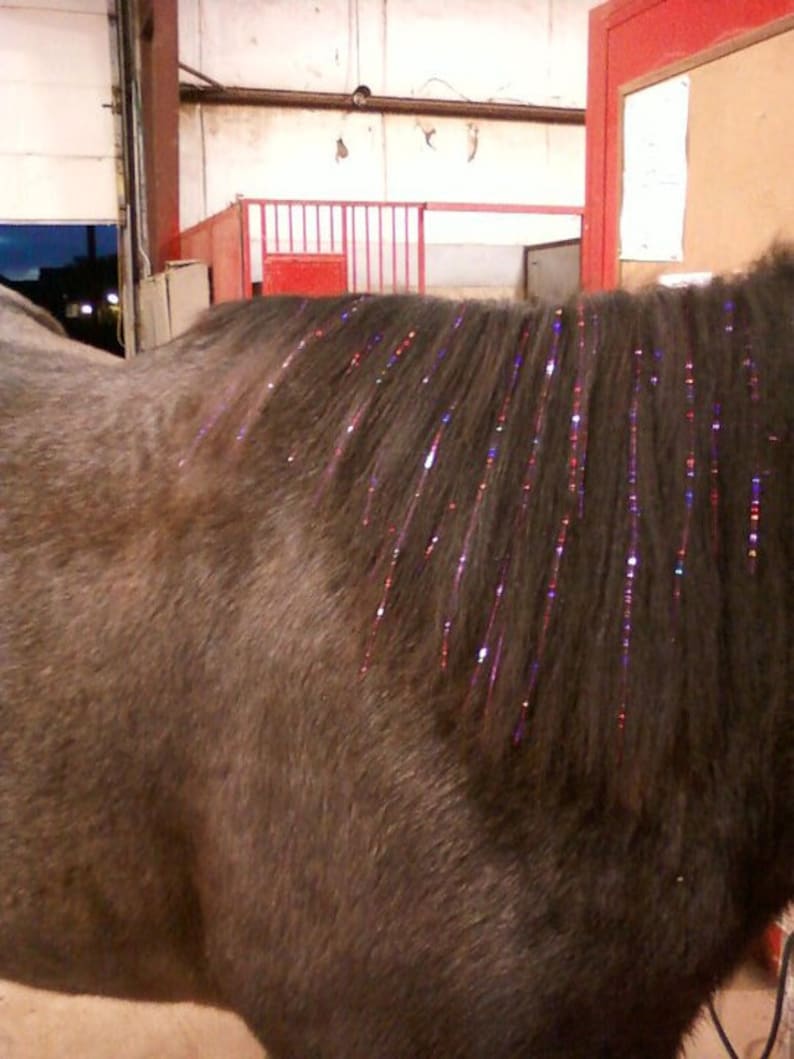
(740, 154)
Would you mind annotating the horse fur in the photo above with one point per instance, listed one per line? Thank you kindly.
(267, 743)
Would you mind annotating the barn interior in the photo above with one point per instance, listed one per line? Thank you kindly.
(161, 156)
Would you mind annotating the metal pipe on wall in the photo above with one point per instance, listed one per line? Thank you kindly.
(364, 102)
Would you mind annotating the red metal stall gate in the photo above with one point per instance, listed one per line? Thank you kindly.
(267, 246)
(316, 247)
(310, 247)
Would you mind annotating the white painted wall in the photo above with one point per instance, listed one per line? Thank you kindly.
(529, 51)
(57, 150)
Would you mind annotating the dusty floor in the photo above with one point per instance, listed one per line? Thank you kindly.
(745, 1010)
(37, 1025)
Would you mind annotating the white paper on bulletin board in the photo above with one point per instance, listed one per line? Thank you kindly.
(655, 172)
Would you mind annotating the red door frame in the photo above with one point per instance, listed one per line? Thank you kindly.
(159, 86)
(630, 39)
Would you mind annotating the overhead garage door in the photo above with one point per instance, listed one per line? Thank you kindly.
(57, 143)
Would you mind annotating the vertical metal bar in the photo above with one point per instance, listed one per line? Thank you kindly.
(275, 228)
(420, 243)
(331, 224)
(354, 285)
(407, 250)
(367, 247)
(290, 209)
(305, 232)
(263, 227)
(244, 212)
(380, 248)
(317, 227)
(344, 239)
(394, 249)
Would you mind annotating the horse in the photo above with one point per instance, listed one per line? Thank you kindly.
(411, 677)
(37, 329)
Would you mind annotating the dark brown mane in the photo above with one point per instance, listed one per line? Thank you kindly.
(594, 627)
